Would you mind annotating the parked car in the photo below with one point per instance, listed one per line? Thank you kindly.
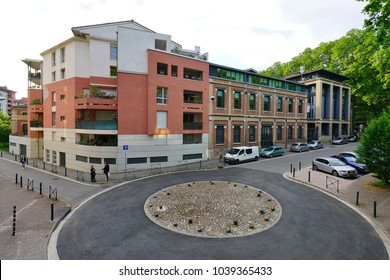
(352, 138)
(349, 154)
(240, 154)
(339, 141)
(334, 166)
(299, 147)
(315, 144)
(272, 151)
(352, 161)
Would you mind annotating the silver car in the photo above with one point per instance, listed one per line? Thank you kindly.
(334, 166)
(315, 144)
(299, 147)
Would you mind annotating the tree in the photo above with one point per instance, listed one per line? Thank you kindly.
(374, 146)
(5, 127)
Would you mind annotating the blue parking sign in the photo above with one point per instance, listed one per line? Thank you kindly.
(125, 147)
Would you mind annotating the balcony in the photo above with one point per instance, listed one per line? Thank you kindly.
(97, 125)
(192, 125)
(36, 124)
(96, 103)
(36, 108)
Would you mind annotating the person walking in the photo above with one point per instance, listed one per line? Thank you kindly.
(23, 161)
(93, 174)
(106, 170)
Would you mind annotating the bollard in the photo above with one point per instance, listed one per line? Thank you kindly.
(357, 198)
(300, 165)
(200, 164)
(14, 222)
(52, 212)
(375, 209)
(21, 181)
(44, 165)
(16, 178)
(66, 172)
(1, 154)
(40, 188)
(294, 172)
(308, 177)
(291, 168)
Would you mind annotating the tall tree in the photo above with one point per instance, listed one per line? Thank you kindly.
(5, 127)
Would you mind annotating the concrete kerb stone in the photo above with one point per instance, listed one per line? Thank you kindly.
(381, 232)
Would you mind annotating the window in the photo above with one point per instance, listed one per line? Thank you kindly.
(290, 105)
(252, 134)
(279, 133)
(299, 132)
(62, 118)
(63, 139)
(110, 160)
(162, 119)
(62, 55)
(192, 138)
(280, 104)
(113, 52)
(236, 134)
(53, 59)
(159, 159)
(113, 71)
(54, 121)
(192, 156)
(267, 103)
(53, 76)
(290, 132)
(95, 160)
(300, 106)
(136, 160)
(220, 134)
(174, 71)
(237, 100)
(62, 97)
(193, 97)
(220, 98)
(81, 158)
(162, 95)
(62, 73)
(252, 101)
(160, 44)
(162, 68)
(193, 74)
(54, 98)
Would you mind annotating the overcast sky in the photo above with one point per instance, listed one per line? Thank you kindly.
(241, 33)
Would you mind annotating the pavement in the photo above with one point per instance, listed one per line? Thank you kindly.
(35, 221)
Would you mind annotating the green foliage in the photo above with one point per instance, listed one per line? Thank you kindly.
(36, 101)
(374, 146)
(5, 127)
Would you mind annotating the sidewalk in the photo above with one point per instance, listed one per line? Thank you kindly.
(347, 189)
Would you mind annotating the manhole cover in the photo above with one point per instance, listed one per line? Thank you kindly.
(213, 209)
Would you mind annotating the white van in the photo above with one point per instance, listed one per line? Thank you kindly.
(240, 154)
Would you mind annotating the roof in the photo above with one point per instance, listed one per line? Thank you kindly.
(323, 73)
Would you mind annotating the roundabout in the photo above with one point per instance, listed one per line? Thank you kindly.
(119, 224)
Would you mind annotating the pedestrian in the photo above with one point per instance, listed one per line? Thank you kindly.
(23, 161)
(106, 170)
(93, 174)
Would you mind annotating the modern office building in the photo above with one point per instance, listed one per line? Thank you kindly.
(329, 102)
(123, 94)
(7, 100)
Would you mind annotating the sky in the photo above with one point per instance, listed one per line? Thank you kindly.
(241, 34)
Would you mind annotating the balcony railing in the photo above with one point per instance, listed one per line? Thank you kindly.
(193, 125)
(96, 103)
(102, 125)
(36, 124)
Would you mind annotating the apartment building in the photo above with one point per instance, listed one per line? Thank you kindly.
(118, 93)
(328, 107)
(247, 108)
(7, 100)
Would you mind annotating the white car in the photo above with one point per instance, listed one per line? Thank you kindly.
(334, 166)
(241, 154)
(315, 144)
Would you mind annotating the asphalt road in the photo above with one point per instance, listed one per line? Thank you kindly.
(313, 225)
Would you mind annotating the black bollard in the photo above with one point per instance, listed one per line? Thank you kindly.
(300, 165)
(374, 209)
(40, 188)
(14, 222)
(21, 181)
(357, 198)
(66, 172)
(291, 169)
(308, 177)
(16, 178)
(52, 212)
(294, 172)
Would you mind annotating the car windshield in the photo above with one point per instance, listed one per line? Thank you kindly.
(338, 138)
(269, 149)
(233, 151)
(312, 142)
(351, 159)
(337, 162)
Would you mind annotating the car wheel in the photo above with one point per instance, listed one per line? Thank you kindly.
(282, 154)
(315, 167)
(271, 156)
(334, 173)
(256, 158)
(236, 161)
